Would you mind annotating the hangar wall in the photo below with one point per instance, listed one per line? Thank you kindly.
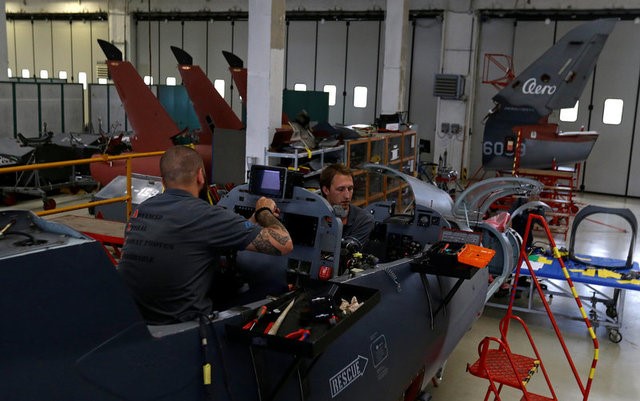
(348, 53)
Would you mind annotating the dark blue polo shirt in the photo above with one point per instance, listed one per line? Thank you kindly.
(172, 244)
(359, 225)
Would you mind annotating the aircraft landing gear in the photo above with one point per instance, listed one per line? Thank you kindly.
(48, 203)
(9, 198)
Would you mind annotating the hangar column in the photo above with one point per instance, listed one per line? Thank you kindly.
(120, 28)
(395, 57)
(4, 55)
(265, 80)
(453, 119)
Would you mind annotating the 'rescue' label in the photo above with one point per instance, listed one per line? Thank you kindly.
(347, 375)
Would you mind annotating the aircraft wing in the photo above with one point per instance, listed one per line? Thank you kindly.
(558, 77)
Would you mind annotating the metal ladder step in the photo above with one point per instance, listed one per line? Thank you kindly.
(536, 397)
(500, 370)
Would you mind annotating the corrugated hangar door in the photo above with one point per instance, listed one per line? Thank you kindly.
(426, 43)
(607, 169)
(616, 79)
(331, 64)
(300, 55)
(361, 80)
(219, 38)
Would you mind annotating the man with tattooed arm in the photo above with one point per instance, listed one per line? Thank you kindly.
(174, 241)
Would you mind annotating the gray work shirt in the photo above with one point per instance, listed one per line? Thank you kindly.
(359, 225)
(173, 242)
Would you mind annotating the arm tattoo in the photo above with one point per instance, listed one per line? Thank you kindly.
(281, 237)
(262, 244)
(267, 219)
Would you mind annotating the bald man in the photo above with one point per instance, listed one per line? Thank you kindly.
(174, 241)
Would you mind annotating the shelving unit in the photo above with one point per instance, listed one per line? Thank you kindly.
(397, 150)
(301, 155)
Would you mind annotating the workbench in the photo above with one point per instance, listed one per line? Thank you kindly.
(606, 286)
(108, 233)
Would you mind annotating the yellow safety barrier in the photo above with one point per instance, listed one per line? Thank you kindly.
(102, 159)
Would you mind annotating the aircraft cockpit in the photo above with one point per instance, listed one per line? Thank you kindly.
(401, 231)
(320, 252)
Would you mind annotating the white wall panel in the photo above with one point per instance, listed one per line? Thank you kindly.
(81, 48)
(99, 30)
(147, 49)
(61, 40)
(11, 46)
(607, 167)
(331, 63)
(24, 41)
(51, 107)
(98, 107)
(426, 45)
(240, 48)
(194, 42)
(106, 110)
(73, 98)
(219, 38)
(43, 47)
(27, 116)
(170, 35)
(6, 110)
(301, 57)
(362, 70)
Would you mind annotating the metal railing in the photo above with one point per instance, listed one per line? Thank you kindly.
(98, 159)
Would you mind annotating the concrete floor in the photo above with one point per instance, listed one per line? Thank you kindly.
(616, 373)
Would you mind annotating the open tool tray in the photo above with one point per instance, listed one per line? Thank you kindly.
(321, 332)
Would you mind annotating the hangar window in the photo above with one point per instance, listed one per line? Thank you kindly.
(102, 81)
(82, 79)
(360, 97)
(219, 85)
(612, 113)
(170, 81)
(331, 89)
(44, 74)
(148, 80)
(9, 73)
(570, 114)
(300, 87)
(62, 75)
(25, 73)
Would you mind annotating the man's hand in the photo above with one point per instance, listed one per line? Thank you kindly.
(274, 239)
(270, 203)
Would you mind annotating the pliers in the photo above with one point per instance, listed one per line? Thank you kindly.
(300, 334)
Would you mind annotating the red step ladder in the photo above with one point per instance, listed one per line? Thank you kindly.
(502, 367)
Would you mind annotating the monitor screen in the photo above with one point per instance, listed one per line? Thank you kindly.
(301, 228)
(267, 181)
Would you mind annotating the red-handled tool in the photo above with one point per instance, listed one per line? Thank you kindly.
(252, 323)
(300, 334)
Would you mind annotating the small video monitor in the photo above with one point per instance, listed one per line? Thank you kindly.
(267, 181)
(301, 228)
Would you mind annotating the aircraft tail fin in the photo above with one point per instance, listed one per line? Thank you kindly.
(238, 72)
(558, 77)
(152, 125)
(211, 108)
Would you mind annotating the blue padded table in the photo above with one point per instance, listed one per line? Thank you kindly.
(597, 275)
